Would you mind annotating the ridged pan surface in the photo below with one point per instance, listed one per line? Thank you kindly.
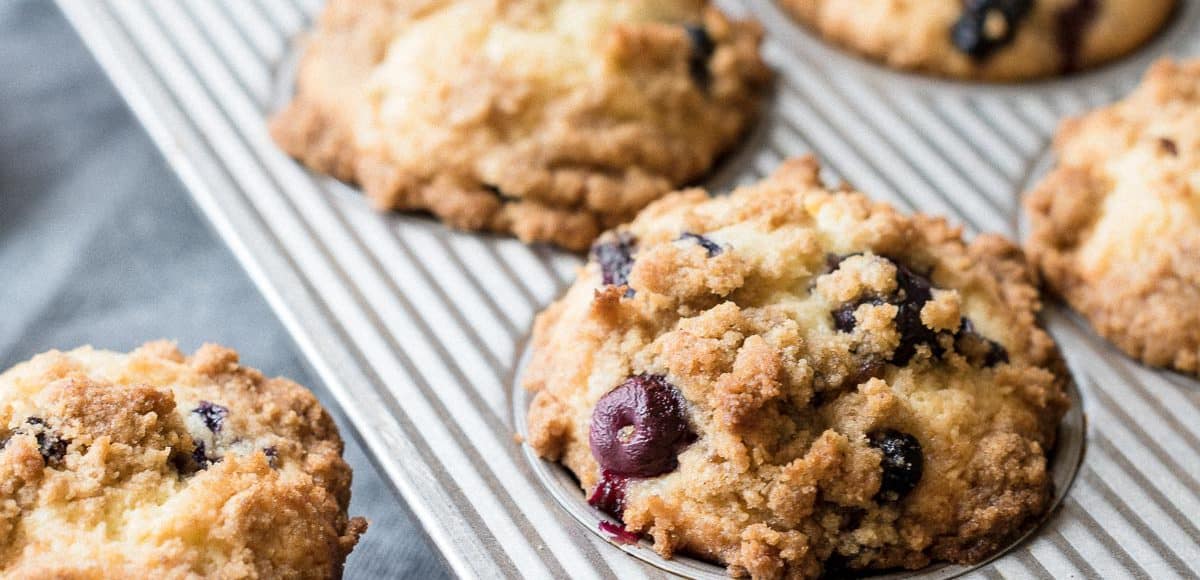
(420, 331)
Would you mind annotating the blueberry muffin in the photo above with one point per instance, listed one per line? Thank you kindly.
(997, 40)
(156, 465)
(551, 120)
(793, 381)
(1115, 227)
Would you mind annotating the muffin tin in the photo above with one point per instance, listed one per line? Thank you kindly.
(420, 331)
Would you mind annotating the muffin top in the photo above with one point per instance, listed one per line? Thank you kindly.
(998, 40)
(791, 380)
(153, 464)
(1115, 228)
(548, 119)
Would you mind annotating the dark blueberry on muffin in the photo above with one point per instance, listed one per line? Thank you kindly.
(639, 427)
(902, 464)
(609, 495)
(212, 414)
(912, 292)
(709, 246)
(703, 48)
(988, 25)
(615, 257)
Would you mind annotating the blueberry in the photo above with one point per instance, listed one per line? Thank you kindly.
(272, 456)
(618, 534)
(709, 246)
(212, 414)
(978, 349)
(703, 48)
(834, 261)
(967, 35)
(615, 257)
(200, 456)
(912, 292)
(182, 462)
(52, 447)
(639, 427)
(903, 463)
(867, 369)
(971, 34)
(1070, 26)
(1169, 146)
(189, 463)
(843, 316)
(609, 495)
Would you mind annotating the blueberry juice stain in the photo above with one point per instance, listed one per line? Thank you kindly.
(637, 431)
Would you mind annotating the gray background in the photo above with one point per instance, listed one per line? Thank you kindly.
(99, 244)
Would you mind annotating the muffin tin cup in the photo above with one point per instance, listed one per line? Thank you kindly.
(420, 331)
(564, 487)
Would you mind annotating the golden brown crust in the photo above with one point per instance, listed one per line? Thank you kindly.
(1115, 228)
(153, 464)
(782, 476)
(916, 35)
(549, 120)
(317, 126)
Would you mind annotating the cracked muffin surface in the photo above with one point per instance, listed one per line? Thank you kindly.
(153, 464)
(552, 120)
(997, 40)
(790, 380)
(1115, 227)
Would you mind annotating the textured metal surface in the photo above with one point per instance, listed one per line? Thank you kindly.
(419, 330)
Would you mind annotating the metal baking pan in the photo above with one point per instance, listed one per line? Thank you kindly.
(420, 331)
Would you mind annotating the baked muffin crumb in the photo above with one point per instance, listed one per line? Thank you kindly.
(155, 464)
(994, 40)
(841, 385)
(1115, 227)
(548, 120)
